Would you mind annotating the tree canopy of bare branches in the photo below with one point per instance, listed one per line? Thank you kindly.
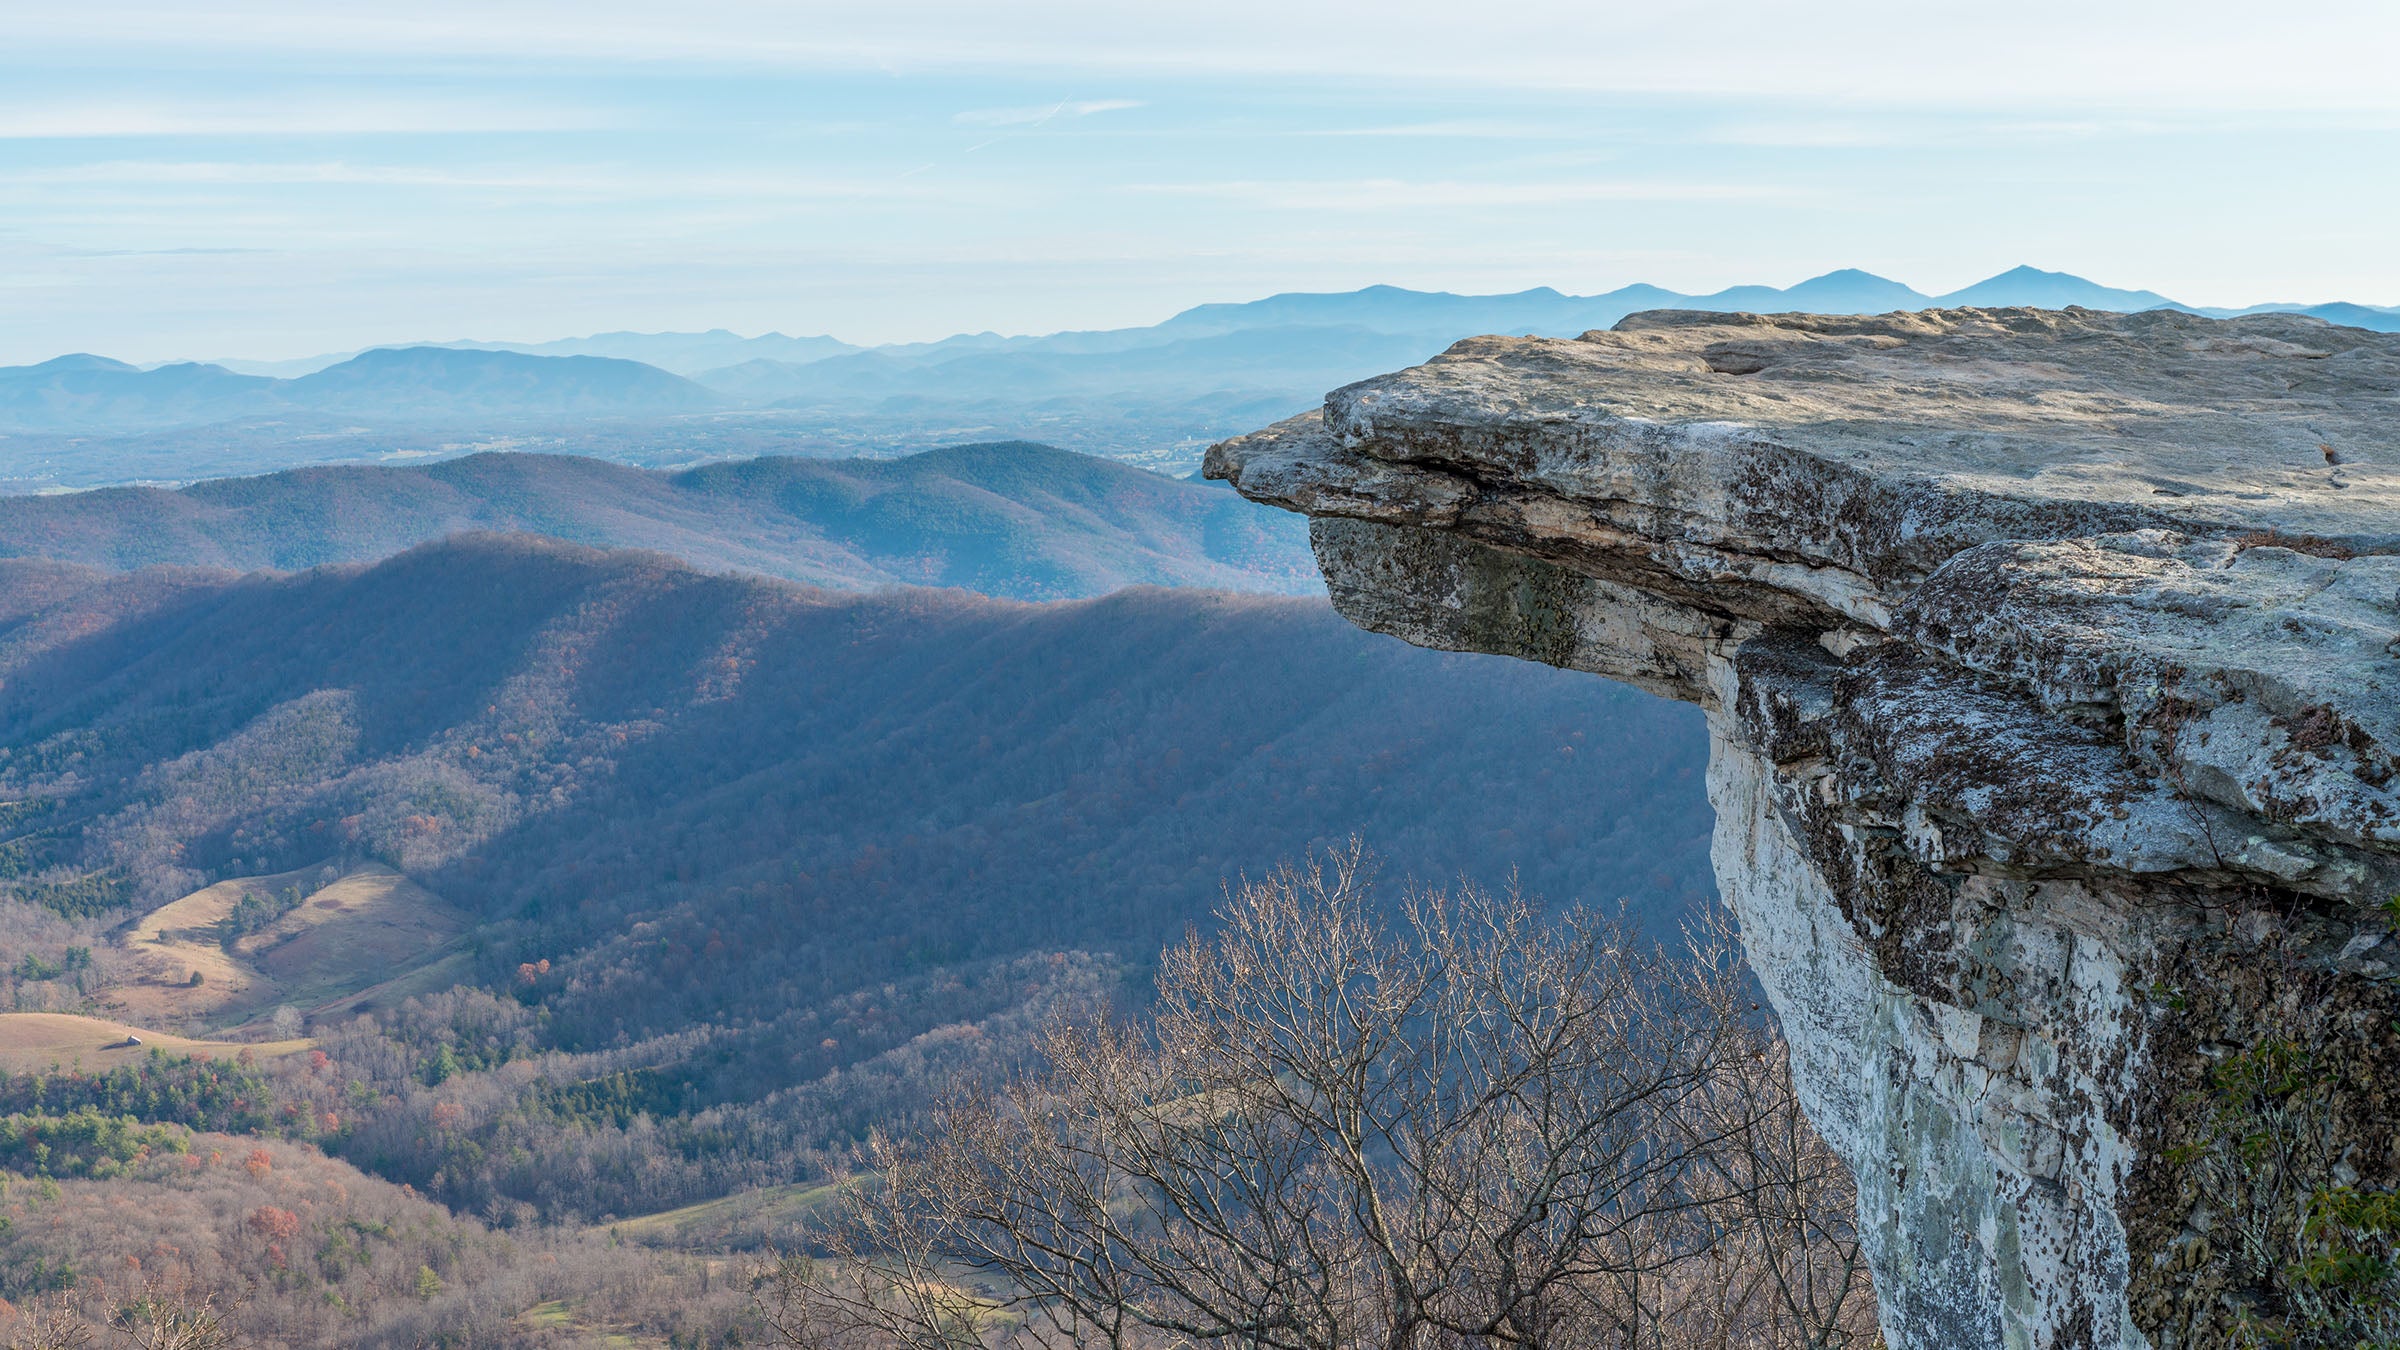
(176, 1317)
(1466, 1122)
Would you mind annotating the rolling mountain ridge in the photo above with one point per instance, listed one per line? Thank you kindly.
(1291, 339)
(1013, 520)
(676, 353)
(440, 382)
(1154, 395)
(720, 865)
(83, 392)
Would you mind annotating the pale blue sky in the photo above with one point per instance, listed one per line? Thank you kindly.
(265, 179)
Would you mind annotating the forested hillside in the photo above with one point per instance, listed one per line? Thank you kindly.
(745, 867)
(292, 1248)
(1015, 519)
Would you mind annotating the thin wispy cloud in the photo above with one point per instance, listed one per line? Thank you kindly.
(618, 183)
(2197, 55)
(160, 252)
(1452, 129)
(312, 118)
(1038, 115)
(1899, 132)
(1389, 194)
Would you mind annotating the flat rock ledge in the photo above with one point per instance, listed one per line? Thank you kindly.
(2052, 665)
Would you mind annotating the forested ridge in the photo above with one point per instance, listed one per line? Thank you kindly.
(1010, 519)
(751, 868)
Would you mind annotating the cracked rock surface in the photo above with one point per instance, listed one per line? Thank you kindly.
(2050, 664)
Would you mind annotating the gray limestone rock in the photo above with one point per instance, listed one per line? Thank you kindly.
(2050, 661)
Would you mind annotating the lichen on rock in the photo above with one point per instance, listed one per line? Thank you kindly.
(2050, 664)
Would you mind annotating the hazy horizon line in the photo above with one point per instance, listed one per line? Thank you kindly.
(1031, 335)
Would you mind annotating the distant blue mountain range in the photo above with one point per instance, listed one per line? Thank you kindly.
(1152, 393)
(680, 353)
(1849, 291)
(94, 394)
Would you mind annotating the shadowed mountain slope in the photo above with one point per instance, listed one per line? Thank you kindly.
(1016, 520)
(557, 738)
(740, 869)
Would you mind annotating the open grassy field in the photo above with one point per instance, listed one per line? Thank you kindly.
(365, 928)
(558, 1318)
(31, 1042)
(175, 941)
(745, 1219)
(351, 931)
(447, 971)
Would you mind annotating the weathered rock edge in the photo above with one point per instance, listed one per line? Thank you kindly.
(2049, 664)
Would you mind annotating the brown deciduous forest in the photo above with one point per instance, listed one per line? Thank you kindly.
(733, 876)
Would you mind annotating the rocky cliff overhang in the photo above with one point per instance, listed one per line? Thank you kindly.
(2051, 669)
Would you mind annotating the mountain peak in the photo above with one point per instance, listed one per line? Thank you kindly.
(2025, 284)
(464, 382)
(1852, 288)
(82, 361)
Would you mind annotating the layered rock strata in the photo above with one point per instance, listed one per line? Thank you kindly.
(2049, 658)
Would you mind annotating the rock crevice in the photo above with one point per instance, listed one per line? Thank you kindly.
(2049, 663)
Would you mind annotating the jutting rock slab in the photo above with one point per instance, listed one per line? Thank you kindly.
(2050, 665)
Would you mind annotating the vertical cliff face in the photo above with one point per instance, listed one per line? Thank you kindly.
(2050, 664)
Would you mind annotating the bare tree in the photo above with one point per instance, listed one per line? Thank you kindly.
(1785, 1268)
(52, 1322)
(174, 1317)
(179, 1321)
(1472, 1124)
